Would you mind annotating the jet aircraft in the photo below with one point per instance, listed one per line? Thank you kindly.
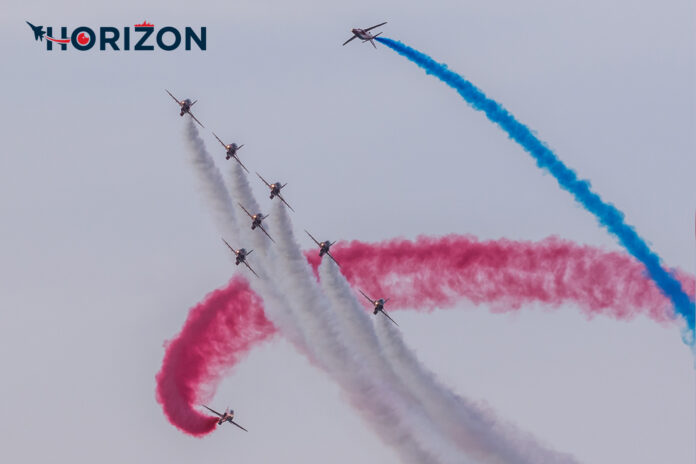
(256, 220)
(240, 256)
(227, 416)
(185, 107)
(323, 247)
(275, 190)
(379, 306)
(364, 34)
(232, 149)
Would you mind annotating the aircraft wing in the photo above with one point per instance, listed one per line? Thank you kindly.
(239, 426)
(368, 298)
(310, 236)
(221, 142)
(228, 246)
(245, 210)
(286, 203)
(334, 259)
(385, 301)
(354, 36)
(264, 231)
(385, 313)
(240, 163)
(370, 28)
(247, 265)
(194, 118)
(211, 410)
(263, 180)
(170, 94)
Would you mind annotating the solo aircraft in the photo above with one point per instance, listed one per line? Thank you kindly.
(364, 34)
(227, 416)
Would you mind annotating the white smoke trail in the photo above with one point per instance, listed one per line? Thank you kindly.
(477, 430)
(397, 421)
(356, 323)
(210, 181)
(230, 225)
(241, 191)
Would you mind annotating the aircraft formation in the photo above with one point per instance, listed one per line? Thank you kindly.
(257, 218)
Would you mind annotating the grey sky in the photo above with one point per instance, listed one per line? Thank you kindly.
(106, 243)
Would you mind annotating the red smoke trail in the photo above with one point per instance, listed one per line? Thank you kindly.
(218, 332)
(422, 274)
(433, 273)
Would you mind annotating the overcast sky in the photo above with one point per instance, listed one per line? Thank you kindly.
(105, 242)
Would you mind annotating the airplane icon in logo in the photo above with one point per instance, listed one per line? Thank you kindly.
(38, 31)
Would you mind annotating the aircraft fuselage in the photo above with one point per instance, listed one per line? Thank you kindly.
(226, 417)
(324, 248)
(231, 150)
(185, 107)
(361, 34)
(241, 256)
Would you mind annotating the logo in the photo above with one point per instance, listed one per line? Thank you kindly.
(141, 37)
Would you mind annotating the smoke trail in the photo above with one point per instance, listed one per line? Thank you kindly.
(475, 430)
(607, 214)
(405, 429)
(218, 332)
(241, 190)
(210, 180)
(433, 273)
(474, 427)
(358, 328)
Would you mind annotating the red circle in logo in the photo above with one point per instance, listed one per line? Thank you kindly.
(82, 38)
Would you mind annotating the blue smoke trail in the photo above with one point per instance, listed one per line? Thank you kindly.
(606, 213)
